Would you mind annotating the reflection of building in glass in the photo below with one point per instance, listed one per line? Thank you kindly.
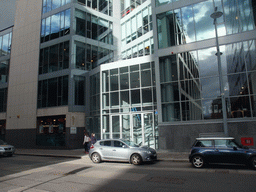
(180, 88)
(109, 67)
(179, 75)
(242, 85)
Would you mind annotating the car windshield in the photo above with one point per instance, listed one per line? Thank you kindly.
(2, 142)
(130, 143)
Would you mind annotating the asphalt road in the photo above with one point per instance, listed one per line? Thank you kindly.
(19, 163)
(32, 174)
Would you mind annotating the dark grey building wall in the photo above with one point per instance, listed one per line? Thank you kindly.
(26, 138)
(7, 13)
(180, 137)
(75, 141)
(21, 138)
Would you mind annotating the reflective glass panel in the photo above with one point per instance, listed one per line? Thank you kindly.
(188, 23)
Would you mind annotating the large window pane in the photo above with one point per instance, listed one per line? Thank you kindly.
(79, 90)
(114, 99)
(114, 79)
(203, 22)
(124, 81)
(5, 45)
(52, 96)
(188, 23)
(135, 96)
(240, 107)
(170, 92)
(135, 80)
(171, 112)
(125, 99)
(145, 78)
(53, 64)
(146, 96)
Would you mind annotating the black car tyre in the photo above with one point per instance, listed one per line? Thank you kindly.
(96, 158)
(253, 162)
(198, 161)
(136, 159)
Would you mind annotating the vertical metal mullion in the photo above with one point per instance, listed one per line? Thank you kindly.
(248, 84)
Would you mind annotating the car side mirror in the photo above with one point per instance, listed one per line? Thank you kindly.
(235, 148)
(124, 146)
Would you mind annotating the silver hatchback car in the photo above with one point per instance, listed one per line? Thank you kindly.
(121, 150)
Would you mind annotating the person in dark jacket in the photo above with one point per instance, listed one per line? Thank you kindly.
(93, 138)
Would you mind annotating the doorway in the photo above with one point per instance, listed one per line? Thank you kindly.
(136, 127)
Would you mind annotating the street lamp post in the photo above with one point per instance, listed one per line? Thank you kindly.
(215, 15)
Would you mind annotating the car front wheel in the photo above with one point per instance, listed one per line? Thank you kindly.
(253, 162)
(96, 158)
(198, 161)
(136, 159)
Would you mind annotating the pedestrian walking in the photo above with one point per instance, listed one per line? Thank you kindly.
(86, 142)
(93, 138)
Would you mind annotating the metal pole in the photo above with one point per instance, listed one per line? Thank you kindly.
(215, 15)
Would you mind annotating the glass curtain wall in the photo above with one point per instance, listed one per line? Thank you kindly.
(127, 6)
(49, 5)
(53, 92)
(103, 6)
(137, 26)
(93, 122)
(144, 48)
(193, 23)
(127, 90)
(93, 27)
(5, 44)
(190, 87)
(55, 26)
(54, 58)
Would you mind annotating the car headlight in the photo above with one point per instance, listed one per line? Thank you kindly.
(148, 152)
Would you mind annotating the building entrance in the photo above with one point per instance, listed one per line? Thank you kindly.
(136, 127)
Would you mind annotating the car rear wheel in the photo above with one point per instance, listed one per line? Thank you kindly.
(136, 159)
(253, 162)
(96, 158)
(198, 161)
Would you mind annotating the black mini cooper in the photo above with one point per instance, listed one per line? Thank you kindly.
(224, 150)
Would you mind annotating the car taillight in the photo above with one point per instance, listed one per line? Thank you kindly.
(92, 146)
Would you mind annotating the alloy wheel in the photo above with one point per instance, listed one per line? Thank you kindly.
(198, 161)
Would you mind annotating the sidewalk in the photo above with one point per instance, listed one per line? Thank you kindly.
(162, 155)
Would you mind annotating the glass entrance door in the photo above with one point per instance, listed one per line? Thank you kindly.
(136, 127)
(136, 130)
(115, 122)
(149, 130)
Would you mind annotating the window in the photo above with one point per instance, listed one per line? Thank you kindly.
(53, 92)
(204, 143)
(49, 5)
(54, 58)
(105, 143)
(224, 143)
(79, 90)
(55, 26)
(118, 144)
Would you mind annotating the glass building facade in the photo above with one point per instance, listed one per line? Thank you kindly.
(194, 80)
(141, 70)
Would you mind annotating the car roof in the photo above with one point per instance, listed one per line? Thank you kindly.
(214, 138)
(110, 139)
